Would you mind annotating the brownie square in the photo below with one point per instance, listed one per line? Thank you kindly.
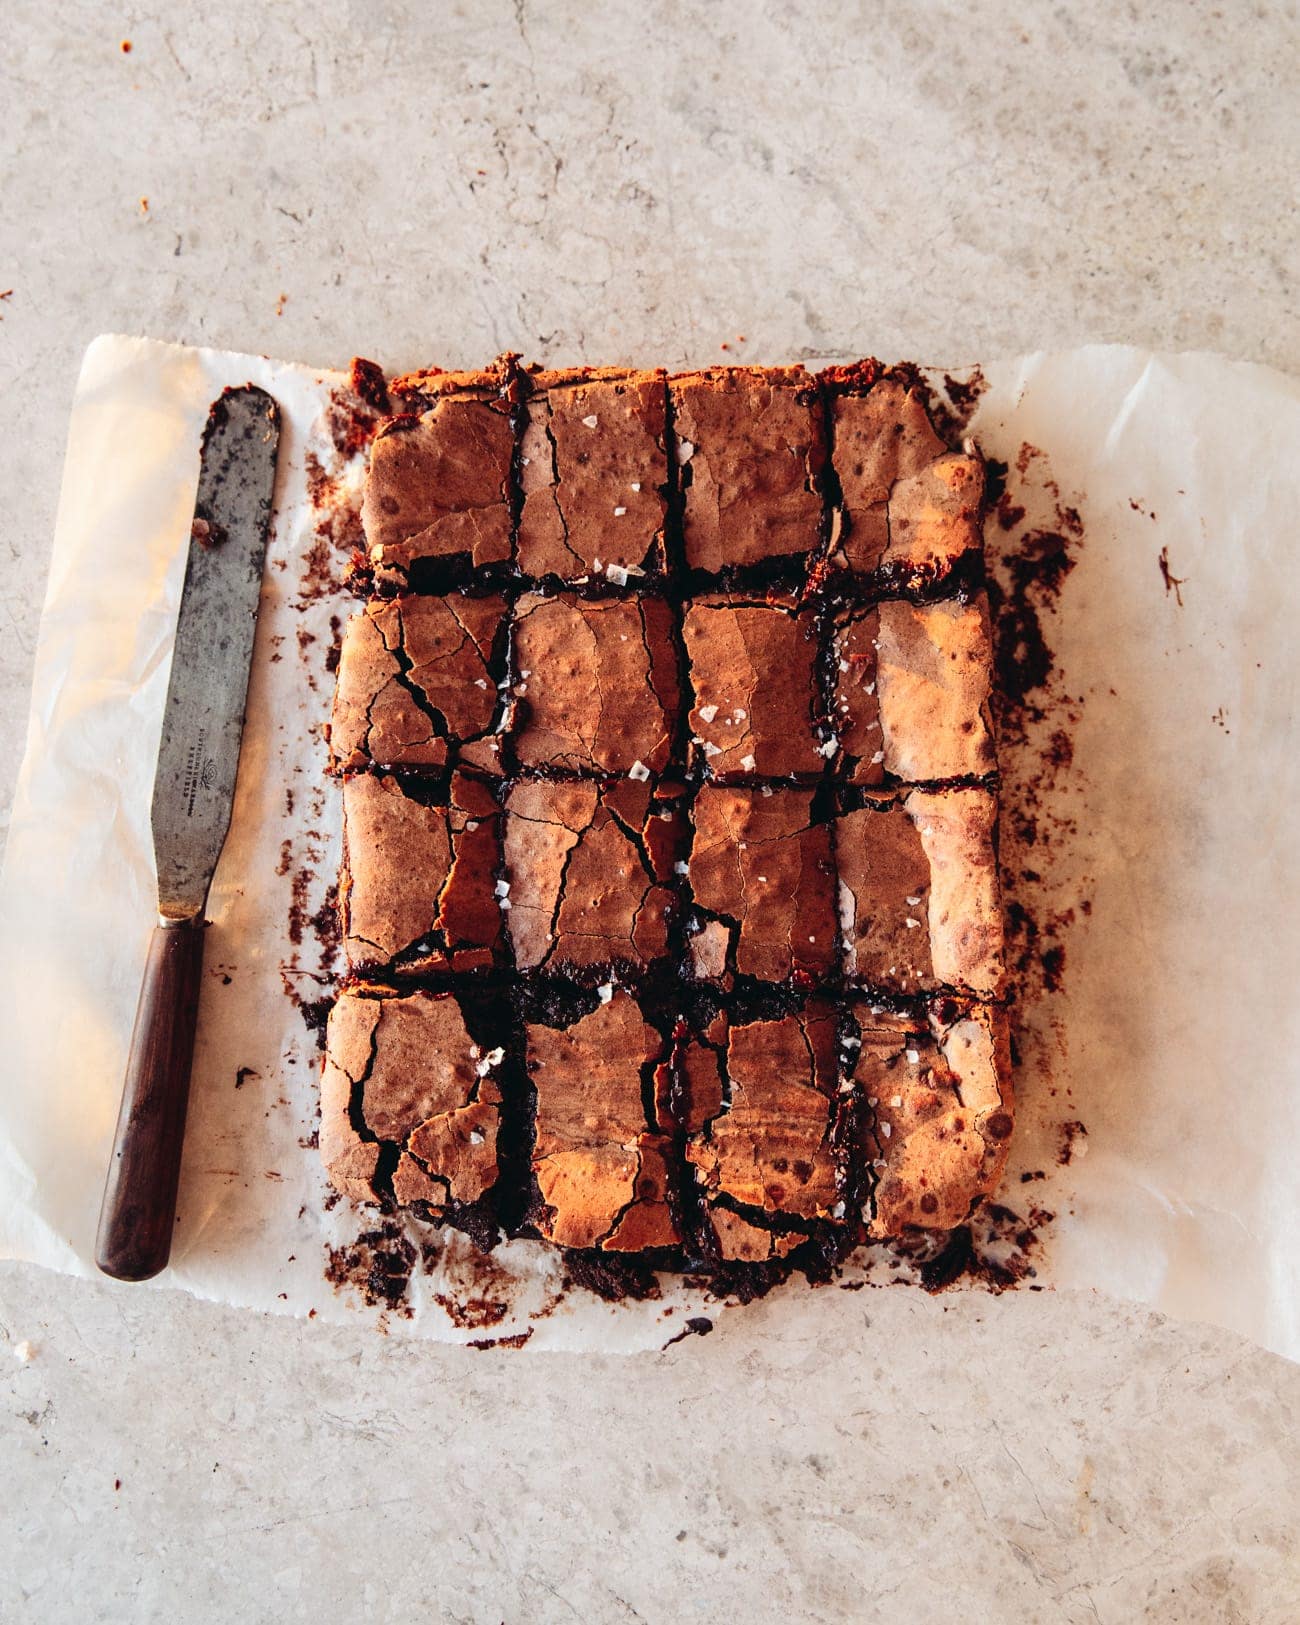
(756, 707)
(593, 472)
(589, 870)
(938, 1114)
(918, 891)
(438, 486)
(403, 1075)
(751, 447)
(912, 686)
(602, 1175)
(417, 684)
(766, 1153)
(909, 505)
(762, 881)
(598, 683)
(418, 888)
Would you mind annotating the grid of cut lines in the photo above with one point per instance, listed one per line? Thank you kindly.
(822, 597)
(823, 593)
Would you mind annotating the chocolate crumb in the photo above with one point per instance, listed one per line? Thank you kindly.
(697, 1326)
(1173, 584)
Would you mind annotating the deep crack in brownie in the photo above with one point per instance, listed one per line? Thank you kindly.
(767, 1150)
(418, 889)
(669, 888)
(406, 1090)
(589, 869)
(418, 684)
(763, 884)
(602, 1173)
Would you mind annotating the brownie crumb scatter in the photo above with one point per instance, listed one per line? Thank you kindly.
(1073, 1143)
(378, 1266)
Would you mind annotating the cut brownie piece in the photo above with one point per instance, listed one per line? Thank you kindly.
(598, 683)
(910, 507)
(601, 1174)
(588, 869)
(918, 891)
(751, 447)
(753, 672)
(417, 684)
(766, 1159)
(438, 486)
(912, 691)
(418, 885)
(939, 1114)
(402, 1072)
(761, 873)
(594, 474)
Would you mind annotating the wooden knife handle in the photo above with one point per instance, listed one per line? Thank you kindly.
(139, 1211)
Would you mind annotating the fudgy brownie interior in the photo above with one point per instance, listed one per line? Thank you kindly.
(669, 887)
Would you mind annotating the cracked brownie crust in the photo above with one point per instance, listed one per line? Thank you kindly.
(598, 686)
(406, 1089)
(669, 885)
(593, 474)
(439, 487)
(417, 889)
(417, 684)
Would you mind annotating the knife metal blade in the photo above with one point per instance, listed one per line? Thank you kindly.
(194, 790)
(203, 722)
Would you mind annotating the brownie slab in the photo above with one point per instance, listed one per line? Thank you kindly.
(403, 1073)
(417, 684)
(669, 784)
(598, 687)
(593, 474)
(588, 868)
(751, 447)
(909, 505)
(918, 891)
(767, 1153)
(602, 1175)
(756, 708)
(760, 870)
(939, 1114)
(419, 878)
(438, 486)
(912, 688)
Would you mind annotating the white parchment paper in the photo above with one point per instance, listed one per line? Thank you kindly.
(1173, 1038)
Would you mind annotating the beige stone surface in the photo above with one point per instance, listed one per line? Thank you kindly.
(632, 183)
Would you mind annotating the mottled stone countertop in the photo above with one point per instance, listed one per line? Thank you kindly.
(632, 181)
